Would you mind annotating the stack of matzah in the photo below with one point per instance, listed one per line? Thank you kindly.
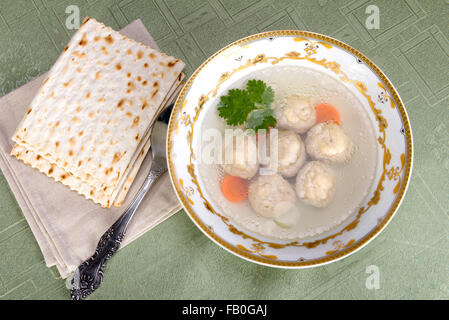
(89, 125)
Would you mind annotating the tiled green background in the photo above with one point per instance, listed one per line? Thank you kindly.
(175, 260)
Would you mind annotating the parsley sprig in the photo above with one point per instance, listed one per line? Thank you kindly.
(250, 106)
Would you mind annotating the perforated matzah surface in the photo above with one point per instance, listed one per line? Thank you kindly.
(90, 120)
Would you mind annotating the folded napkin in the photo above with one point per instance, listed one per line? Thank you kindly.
(66, 226)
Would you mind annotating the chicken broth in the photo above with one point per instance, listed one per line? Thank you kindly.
(353, 177)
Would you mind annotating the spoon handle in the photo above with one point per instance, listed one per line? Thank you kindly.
(89, 275)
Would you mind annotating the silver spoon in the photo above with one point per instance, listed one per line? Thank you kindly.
(89, 275)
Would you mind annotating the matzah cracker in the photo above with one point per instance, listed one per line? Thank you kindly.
(94, 109)
(119, 195)
(76, 184)
(132, 175)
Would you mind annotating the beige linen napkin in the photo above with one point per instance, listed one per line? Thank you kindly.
(66, 226)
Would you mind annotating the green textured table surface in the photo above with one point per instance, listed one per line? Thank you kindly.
(175, 260)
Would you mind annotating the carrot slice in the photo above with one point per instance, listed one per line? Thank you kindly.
(325, 112)
(234, 189)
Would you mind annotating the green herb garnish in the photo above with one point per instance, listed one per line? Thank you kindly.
(251, 106)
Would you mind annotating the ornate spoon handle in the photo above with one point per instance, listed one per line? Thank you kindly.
(89, 275)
